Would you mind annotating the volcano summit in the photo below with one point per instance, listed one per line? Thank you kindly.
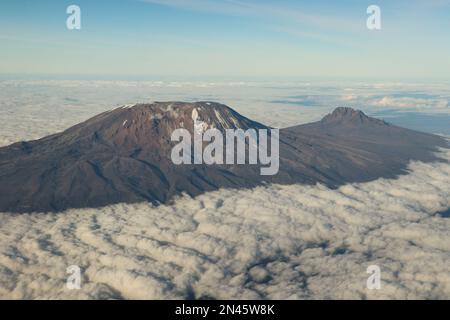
(124, 155)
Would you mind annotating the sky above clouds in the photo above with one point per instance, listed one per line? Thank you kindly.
(229, 38)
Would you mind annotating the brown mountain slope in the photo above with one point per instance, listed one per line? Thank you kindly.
(124, 156)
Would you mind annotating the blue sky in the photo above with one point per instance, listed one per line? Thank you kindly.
(229, 38)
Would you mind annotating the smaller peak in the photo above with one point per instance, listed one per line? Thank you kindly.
(347, 112)
(347, 115)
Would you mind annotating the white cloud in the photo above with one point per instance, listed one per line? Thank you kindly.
(430, 105)
(348, 97)
(279, 242)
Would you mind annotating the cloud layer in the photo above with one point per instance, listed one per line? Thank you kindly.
(30, 109)
(278, 242)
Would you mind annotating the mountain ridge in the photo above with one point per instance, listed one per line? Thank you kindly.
(123, 155)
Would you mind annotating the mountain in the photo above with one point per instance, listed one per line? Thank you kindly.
(124, 155)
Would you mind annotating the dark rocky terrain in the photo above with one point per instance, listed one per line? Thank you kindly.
(123, 155)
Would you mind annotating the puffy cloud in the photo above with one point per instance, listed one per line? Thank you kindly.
(349, 97)
(278, 242)
(430, 105)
